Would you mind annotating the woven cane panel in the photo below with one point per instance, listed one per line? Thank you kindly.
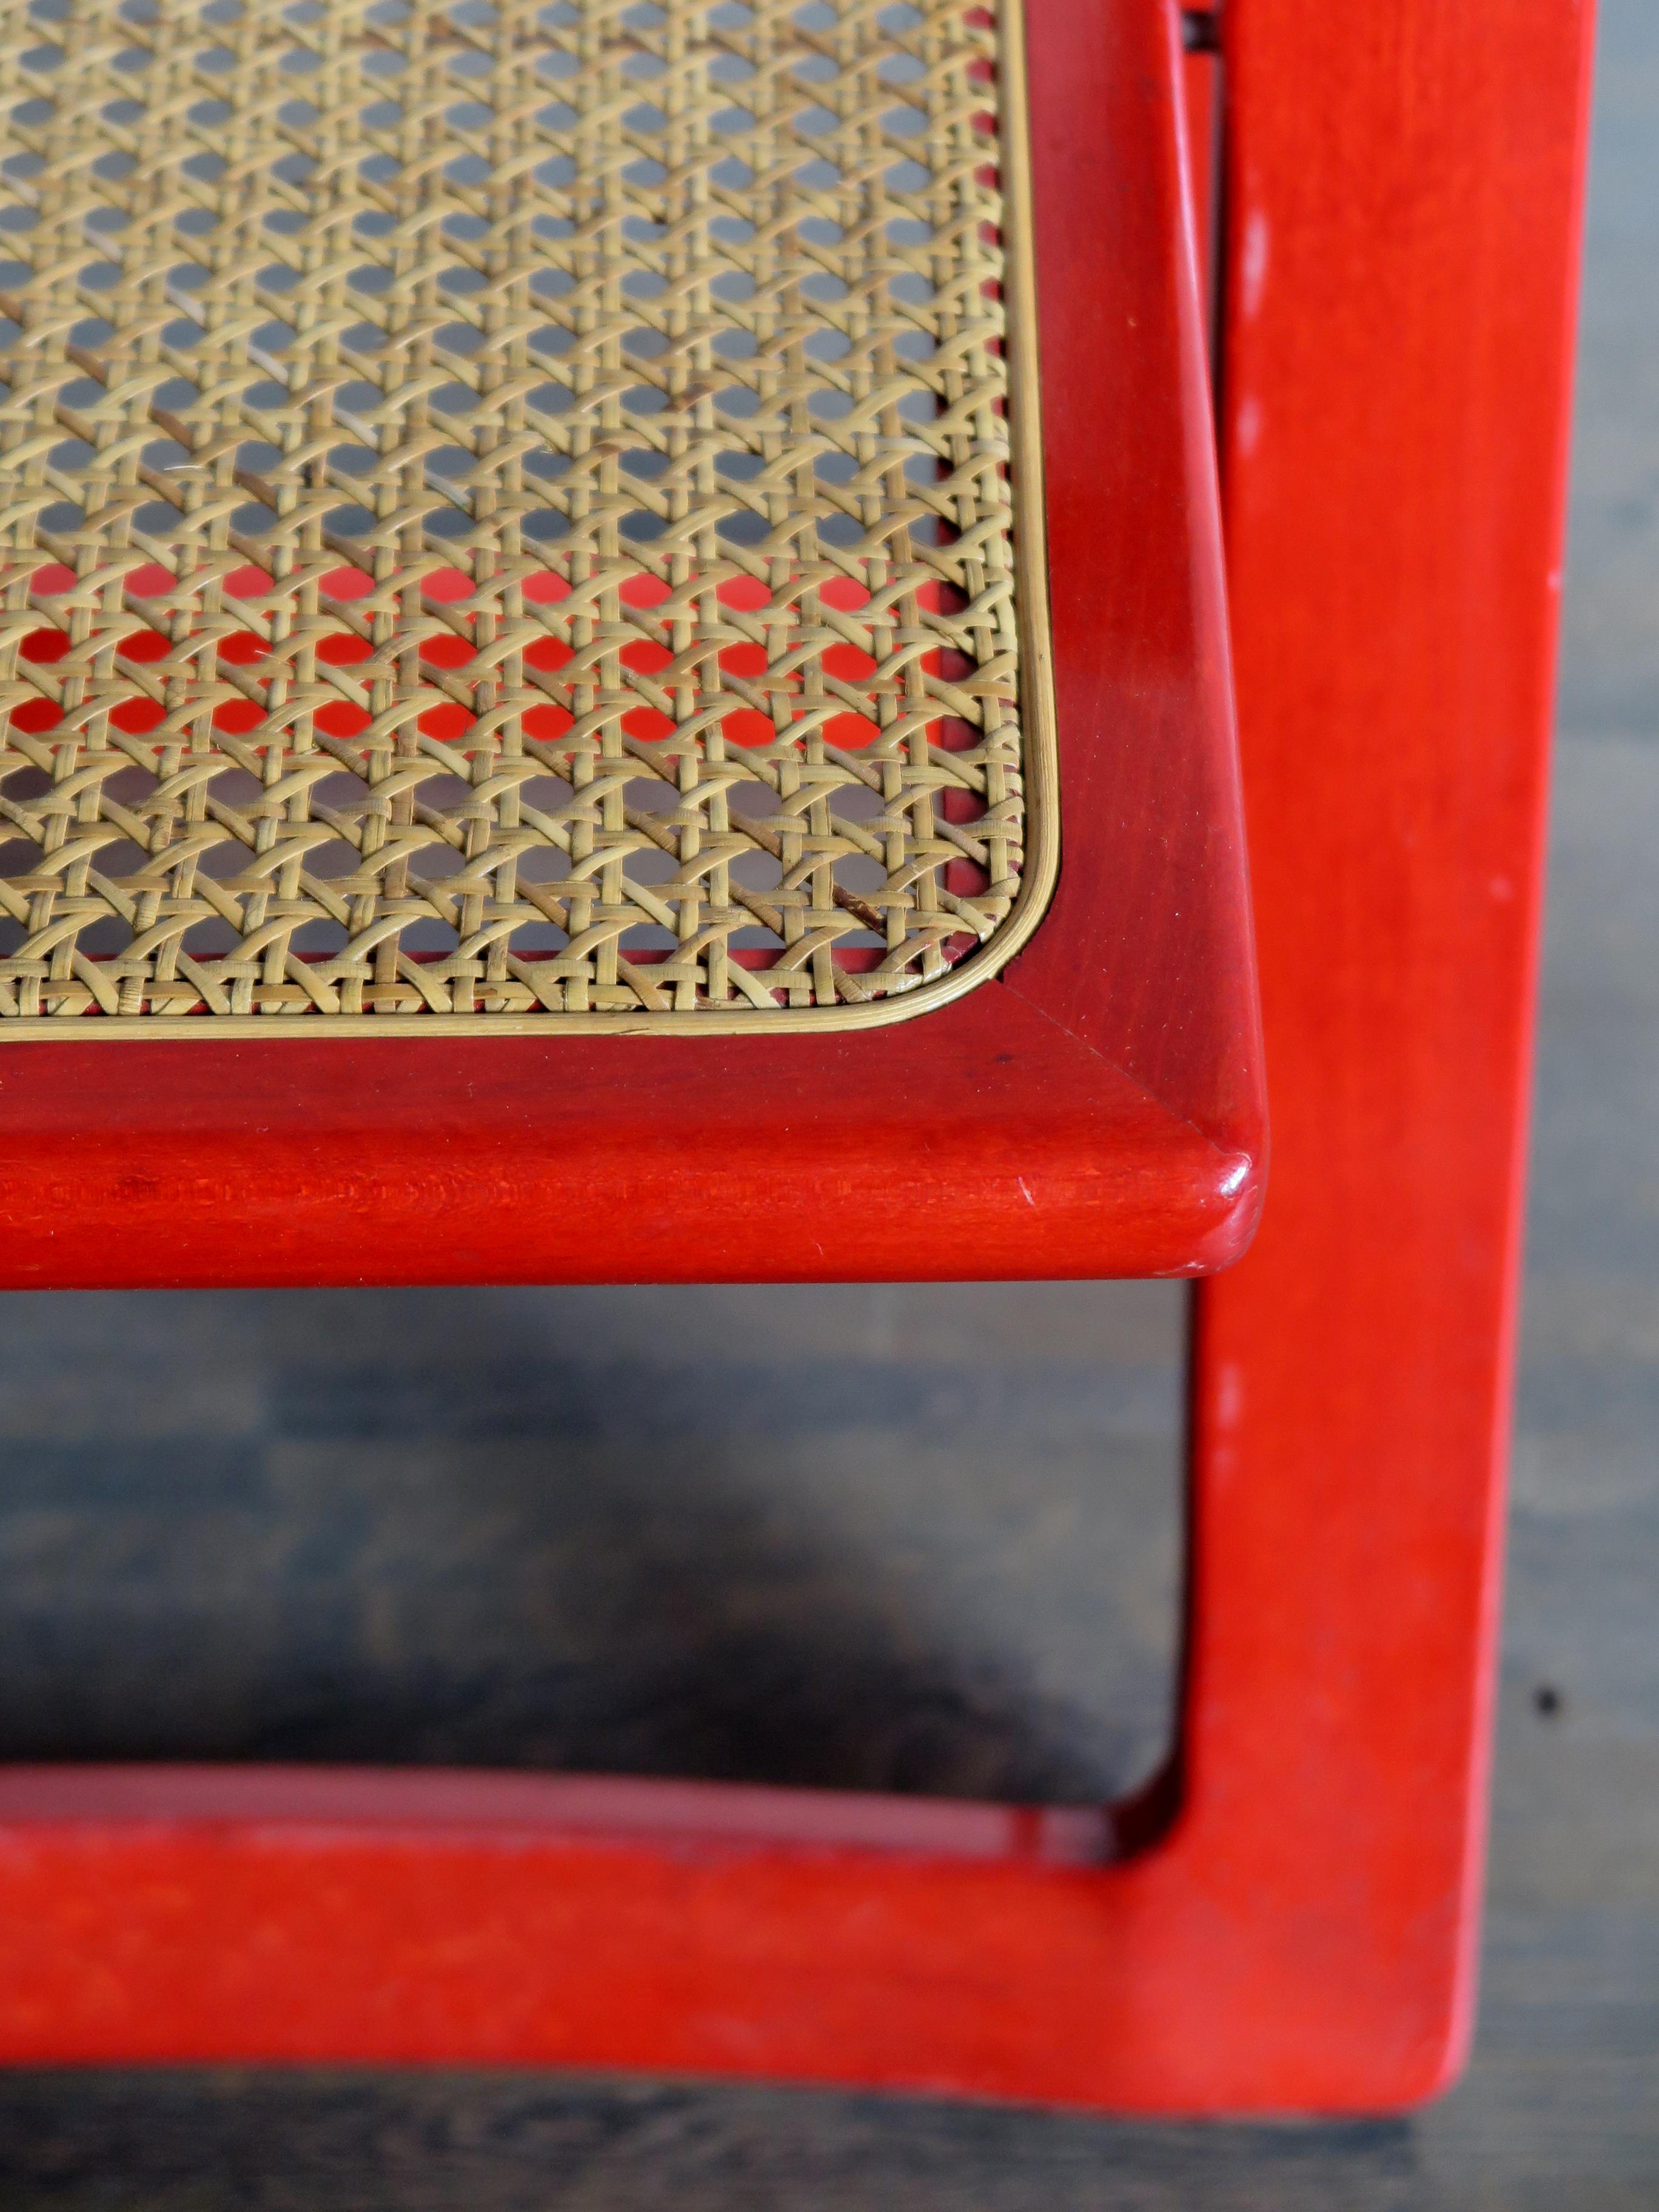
(505, 510)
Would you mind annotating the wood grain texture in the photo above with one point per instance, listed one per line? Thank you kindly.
(919, 1537)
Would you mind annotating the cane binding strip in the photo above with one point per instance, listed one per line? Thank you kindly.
(505, 514)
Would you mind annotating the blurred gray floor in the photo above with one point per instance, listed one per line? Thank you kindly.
(916, 1538)
(509, 1572)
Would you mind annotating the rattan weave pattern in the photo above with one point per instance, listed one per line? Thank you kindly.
(505, 510)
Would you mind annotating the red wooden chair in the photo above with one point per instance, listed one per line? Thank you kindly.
(1021, 1039)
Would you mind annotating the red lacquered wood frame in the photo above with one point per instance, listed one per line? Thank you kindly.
(1403, 186)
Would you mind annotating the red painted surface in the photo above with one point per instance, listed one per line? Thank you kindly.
(1098, 1110)
(1404, 182)
(1405, 192)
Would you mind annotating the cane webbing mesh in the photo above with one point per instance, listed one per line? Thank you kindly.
(505, 510)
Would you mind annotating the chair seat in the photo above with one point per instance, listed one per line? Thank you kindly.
(525, 569)
(530, 520)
